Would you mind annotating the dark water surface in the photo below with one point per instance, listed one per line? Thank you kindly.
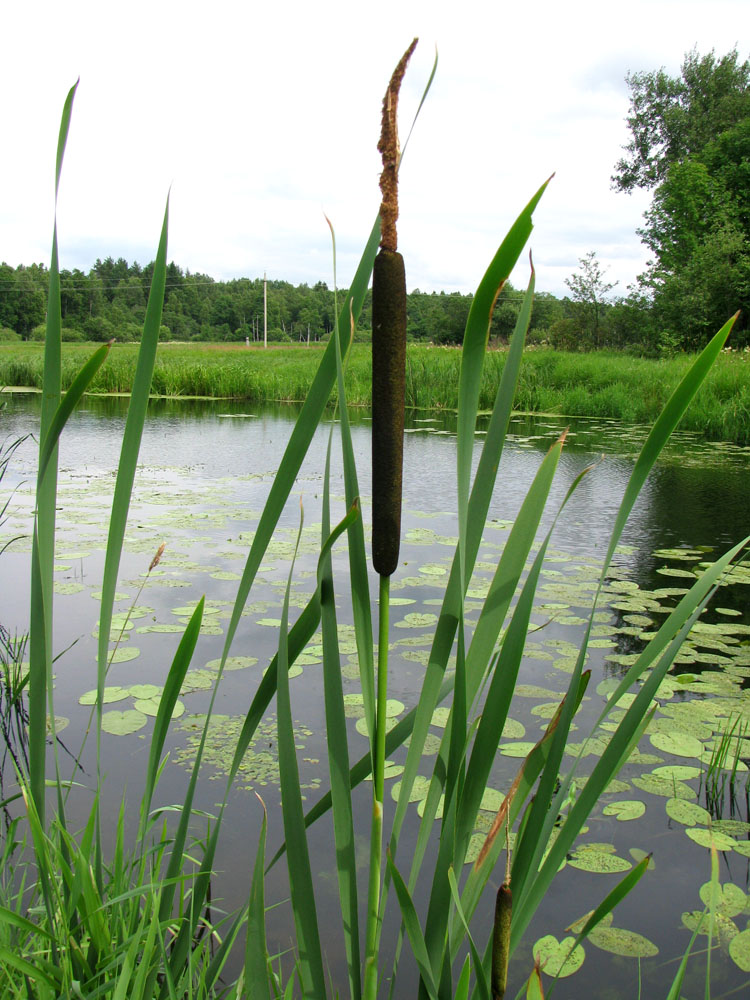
(204, 475)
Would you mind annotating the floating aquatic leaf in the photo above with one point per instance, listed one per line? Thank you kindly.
(520, 749)
(416, 620)
(617, 786)
(555, 958)
(723, 928)
(513, 730)
(598, 858)
(721, 841)
(619, 941)
(150, 706)
(433, 569)
(142, 629)
(68, 588)
(677, 744)
(734, 827)
(124, 653)
(233, 663)
(659, 785)
(222, 574)
(145, 691)
(626, 809)
(687, 813)
(680, 772)
(638, 855)
(730, 900)
(197, 680)
(123, 723)
(440, 716)
(112, 693)
(419, 789)
(739, 950)
(476, 842)
(61, 722)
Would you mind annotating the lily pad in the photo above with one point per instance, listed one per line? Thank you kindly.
(112, 693)
(598, 861)
(124, 653)
(626, 809)
(555, 957)
(739, 950)
(233, 663)
(721, 841)
(731, 899)
(416, 620)
(150, 706)
(123, 723)
(678, 744)
(145, 691)
(619, 941)
(687, 813)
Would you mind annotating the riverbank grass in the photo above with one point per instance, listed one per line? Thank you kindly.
(599, 384)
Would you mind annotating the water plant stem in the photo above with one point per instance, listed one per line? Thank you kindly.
(374, 917)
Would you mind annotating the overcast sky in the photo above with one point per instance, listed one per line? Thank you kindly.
(263, 117)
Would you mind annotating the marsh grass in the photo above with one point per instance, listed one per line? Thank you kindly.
(138, 923)
(599, 384)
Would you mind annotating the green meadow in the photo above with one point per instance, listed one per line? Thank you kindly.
(597, 384)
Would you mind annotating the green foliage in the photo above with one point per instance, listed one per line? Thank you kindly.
(691, 144)
(589, 293)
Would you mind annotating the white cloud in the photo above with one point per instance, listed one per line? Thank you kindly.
(264, 118)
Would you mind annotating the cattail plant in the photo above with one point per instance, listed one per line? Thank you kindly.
(388, 389)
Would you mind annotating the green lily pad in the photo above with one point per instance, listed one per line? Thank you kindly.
(233, 663)
(721, 841)
(197, 680)
(68, 588)
(731, 900)
(112, 693)
(143, 629)
(739, 950)
(555, 958)
(678, 744)
(416, 620)
(145, 691)
(626, 809)
(619, 941)
(687, 813)
(598, 861)
(658, 785)
(723, 928)
(124, 653)
(520, 749)
(150, 706)
(123, 723)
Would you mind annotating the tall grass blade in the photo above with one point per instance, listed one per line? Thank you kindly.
(256, 950)
(312, 976)
(171, 690)
(43, 546)
(473, 351)
(131, 443)
(413, 930)
(338, 756)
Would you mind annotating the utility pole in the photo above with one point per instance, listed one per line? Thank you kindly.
(265, 311)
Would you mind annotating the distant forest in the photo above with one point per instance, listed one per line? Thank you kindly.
(110, 302)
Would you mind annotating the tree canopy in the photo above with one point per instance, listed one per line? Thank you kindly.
(690, 144)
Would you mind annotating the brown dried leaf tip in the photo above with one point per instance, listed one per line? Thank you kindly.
(390, 151)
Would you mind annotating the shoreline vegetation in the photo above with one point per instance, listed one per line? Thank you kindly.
(598, 384)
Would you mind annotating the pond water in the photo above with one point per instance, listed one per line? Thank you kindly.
(205, 472)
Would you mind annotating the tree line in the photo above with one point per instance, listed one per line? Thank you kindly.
(690, 145)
